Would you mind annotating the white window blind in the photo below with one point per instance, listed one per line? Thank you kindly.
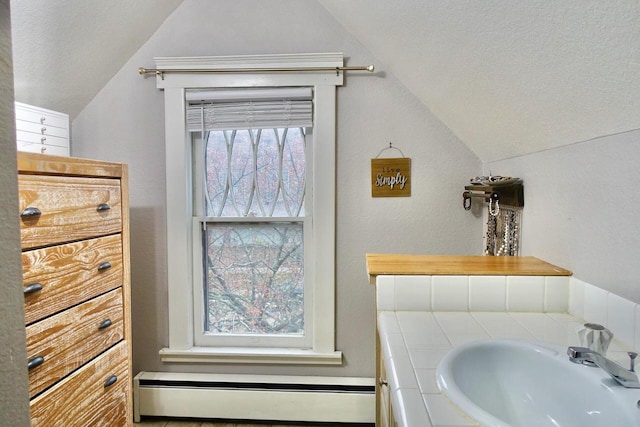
(254, 108)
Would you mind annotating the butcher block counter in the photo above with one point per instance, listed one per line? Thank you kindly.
(439, 265)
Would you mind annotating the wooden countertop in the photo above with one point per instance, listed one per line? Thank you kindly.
(396, 264)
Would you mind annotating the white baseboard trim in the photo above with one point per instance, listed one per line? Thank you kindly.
(255, 397)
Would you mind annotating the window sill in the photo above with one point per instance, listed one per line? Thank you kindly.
(284, 356)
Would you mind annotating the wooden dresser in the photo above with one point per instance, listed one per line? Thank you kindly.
(75, 259)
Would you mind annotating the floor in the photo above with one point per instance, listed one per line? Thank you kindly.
(161, 422)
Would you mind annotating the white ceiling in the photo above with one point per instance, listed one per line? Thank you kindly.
(65, 51)
(508, 78)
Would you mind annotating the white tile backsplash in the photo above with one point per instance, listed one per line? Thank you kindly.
(525, 293)
(556, 294)
(621, 317)
(413, 293)
(480, 293)
(535, 294)
(595, 304)
(576, 297)
(487, 293)
(450, 293)
(386, 292)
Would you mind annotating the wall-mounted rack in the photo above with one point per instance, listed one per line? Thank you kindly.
(511, 194)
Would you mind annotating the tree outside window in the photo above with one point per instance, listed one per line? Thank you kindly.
(253, 239)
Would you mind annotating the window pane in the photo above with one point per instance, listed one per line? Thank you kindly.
(255, 173)
(254, 278)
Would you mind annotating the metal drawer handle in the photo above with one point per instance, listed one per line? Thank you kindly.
(30, 212)
(105, 324)
(110, 381)
(103, 207)
(34, 362)
(104, 266)
(43, 130)
(43, 139)
(32, 288)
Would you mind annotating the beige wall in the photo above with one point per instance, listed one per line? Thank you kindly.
(14, 397)
(125, 123)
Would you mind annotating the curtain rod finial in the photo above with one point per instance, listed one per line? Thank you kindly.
(370, 68)
(142, 71)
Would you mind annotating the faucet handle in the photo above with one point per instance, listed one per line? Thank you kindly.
(632, 357)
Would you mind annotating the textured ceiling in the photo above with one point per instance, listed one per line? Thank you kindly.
(65, 51)
(508, 78)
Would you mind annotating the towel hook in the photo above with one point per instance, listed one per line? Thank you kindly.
(494, 197)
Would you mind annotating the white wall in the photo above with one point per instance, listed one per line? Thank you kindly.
(14, 396)
(581, 209)
(125, 123)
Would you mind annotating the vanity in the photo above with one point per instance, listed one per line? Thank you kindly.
(428, 305)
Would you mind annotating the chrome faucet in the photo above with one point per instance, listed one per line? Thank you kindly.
(625, 377)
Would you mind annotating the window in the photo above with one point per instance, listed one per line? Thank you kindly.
(252, 238)
(249, 160)
(251, 241)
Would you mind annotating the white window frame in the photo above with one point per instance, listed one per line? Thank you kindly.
(180, 247)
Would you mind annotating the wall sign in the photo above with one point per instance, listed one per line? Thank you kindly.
(391, 177)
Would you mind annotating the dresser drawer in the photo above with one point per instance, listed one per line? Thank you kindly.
(42, 129)
(41, 116)
(84, 399)
(53, 150)
(63, 209)
(37, 138)
(69, 274)
(62, 343)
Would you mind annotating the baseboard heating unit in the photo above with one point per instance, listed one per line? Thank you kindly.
(254, 397)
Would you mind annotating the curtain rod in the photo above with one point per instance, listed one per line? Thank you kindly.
(160, 72)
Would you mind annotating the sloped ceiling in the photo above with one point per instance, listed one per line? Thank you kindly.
(65, 51)
(508, 78)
